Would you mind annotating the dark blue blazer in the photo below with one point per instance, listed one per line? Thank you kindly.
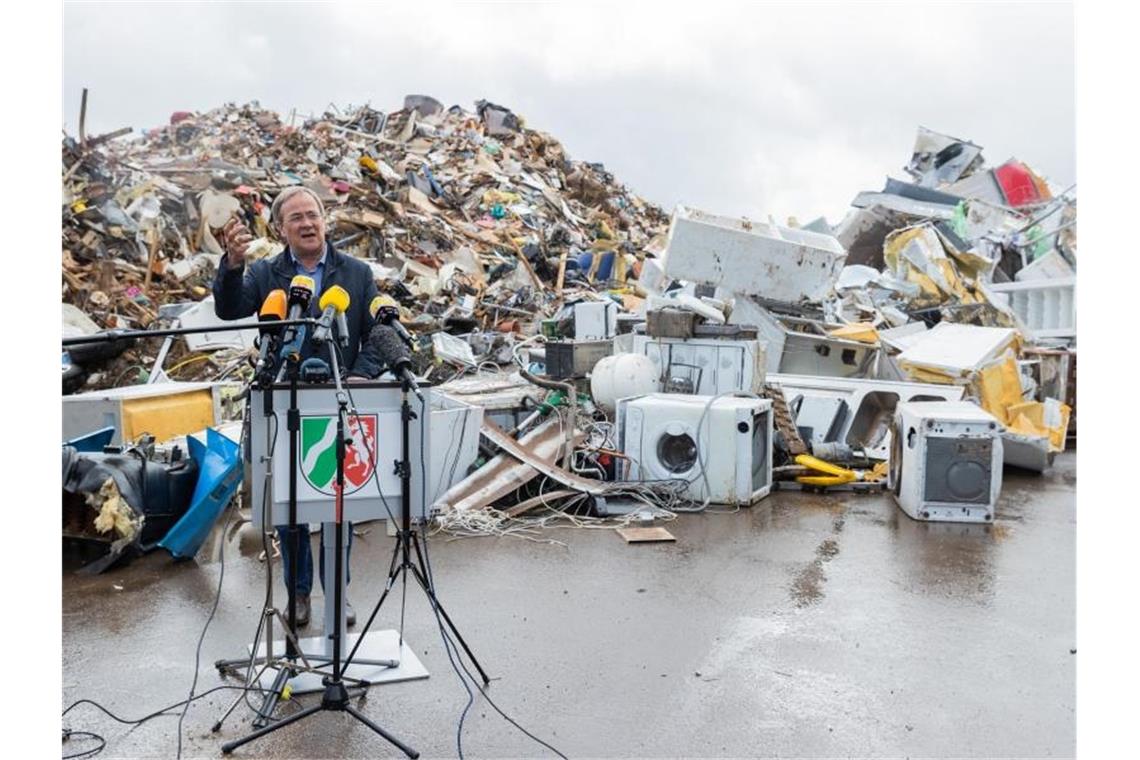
(238, 294)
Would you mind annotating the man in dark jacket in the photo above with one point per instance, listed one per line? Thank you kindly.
(298, 216)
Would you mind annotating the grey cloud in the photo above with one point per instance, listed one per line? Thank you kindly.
(788, 111)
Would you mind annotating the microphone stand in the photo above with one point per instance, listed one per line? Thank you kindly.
(288, 668)
(408, 540)
(336, 694)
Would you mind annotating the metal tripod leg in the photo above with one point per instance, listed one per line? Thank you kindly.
(393, 571)
(237, 700)
(335, 700)
(435, 603)
(365, 720)
(229, 747)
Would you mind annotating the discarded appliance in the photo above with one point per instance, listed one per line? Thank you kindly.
(819, 419)
(454, 442)
(595, 320)
(780, 263)
(946, 461)
(868, 405)
(622, 375)
(718, 359)
(939, 159)
(505, 399)
(163, 410)
(670, 323)
(572, 359)
(202, 314)
(801, 346)
(1047, 308)
(1027, 452)
(953, 353)
(721, 446)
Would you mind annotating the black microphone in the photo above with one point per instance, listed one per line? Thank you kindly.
(385, 311)
(272, 311)
(342, 329)
(300, 294)
(387, 344)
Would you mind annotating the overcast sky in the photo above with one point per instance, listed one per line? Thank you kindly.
(735, 109)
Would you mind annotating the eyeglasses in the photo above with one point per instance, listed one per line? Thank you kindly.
(308, 216)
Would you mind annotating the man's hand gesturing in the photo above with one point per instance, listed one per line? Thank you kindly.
(236, 237)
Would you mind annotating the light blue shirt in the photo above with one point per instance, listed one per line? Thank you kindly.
(317, 273)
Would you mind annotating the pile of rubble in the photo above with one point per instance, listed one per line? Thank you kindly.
(610, 353)
(472, 221)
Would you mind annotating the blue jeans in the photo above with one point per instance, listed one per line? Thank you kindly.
(305, 558)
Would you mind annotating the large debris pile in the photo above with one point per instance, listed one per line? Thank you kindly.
(593, 341)
(470, 219)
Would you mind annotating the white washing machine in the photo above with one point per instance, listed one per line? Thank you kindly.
(704, 366)
(722, 448)
(946, 460)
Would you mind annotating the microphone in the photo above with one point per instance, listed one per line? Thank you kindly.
(314, 370)
(300, 294)
(272, 311)
(385, 311)
(387, 344)
(301, 290)
(333, 301)
(341, 329)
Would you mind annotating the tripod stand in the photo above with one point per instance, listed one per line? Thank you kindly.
(336, 694)
(408, 540)
(270, 612)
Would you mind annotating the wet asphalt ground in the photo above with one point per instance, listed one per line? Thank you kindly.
(806, 625)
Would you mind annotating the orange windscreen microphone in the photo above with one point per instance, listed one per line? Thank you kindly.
(272, 310)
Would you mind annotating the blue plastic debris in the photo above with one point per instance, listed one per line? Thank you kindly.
(94, 441)
(220, 473)
(605, 266)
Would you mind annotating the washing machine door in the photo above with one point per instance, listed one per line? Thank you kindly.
(673, 451)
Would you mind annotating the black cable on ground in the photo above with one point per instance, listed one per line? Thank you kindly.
(68, 734)
(164, 711)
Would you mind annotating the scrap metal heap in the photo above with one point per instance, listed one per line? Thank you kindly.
(545, 294)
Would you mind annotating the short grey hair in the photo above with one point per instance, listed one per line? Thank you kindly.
(286, 194)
